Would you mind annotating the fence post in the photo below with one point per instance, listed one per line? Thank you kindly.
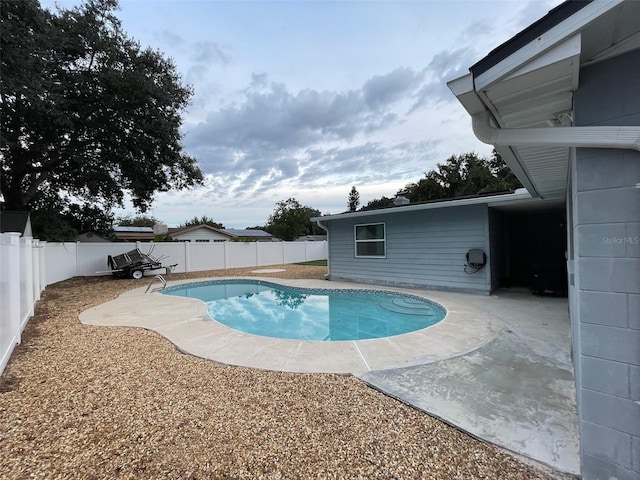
(35, 261)
(26, 286)
(43, 264)
(187, 257)
(76, 253)
(14, 285)
(257, 262)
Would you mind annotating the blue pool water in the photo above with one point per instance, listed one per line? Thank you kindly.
(271, 310)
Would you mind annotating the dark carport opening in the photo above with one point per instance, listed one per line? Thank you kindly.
(528, 248)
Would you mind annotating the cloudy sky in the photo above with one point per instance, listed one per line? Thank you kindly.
(304, 99)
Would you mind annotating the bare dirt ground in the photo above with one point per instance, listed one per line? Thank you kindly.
(90, 402)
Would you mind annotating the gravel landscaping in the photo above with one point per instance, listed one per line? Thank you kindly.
(90, 402)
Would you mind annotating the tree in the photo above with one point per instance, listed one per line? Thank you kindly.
(377, 203)
(290, 220)
(427, 188)
(138, 221)
(463, 175)
(354, 199)
(204, 220)
(87, 114)
(505, 176)
(49, 223)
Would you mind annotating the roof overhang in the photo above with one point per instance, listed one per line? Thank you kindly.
(15, 222)
(529, 83)
(520, 198)
(203, 226)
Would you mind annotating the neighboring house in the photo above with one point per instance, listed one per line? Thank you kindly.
(311, 238)
(91, 237)
(207, 233)
(560, 102)
(250, 235)
(134, 234)
(15, 222)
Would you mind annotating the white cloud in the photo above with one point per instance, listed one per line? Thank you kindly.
(382, 90)
(210, 52)
(306, 99)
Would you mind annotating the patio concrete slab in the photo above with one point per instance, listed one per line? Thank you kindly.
(497, 366)
(516, 392)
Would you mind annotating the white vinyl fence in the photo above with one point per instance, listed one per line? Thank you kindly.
(27, 266)
(22, 280)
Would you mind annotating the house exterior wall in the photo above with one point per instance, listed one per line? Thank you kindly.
(424, 249)
(604, 268)
(200, 234)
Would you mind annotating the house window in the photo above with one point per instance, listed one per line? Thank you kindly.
(201, 240)
(370, 240)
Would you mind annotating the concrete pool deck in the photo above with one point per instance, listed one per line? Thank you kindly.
(497, 366)
(185, 322)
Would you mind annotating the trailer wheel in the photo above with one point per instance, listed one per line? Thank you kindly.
(137, 274)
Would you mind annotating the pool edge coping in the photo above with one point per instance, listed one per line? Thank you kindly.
(180, 320)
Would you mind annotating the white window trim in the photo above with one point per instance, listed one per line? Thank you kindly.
(356, 241)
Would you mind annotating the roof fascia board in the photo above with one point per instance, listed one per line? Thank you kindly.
(183, 230)
(198, 227)
(570, 48)
(511, 159)
(461, 85)
(463, 89)
(490, 200)
(530, 33)
(552, 37)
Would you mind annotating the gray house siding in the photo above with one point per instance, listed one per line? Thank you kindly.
(604, 205)
(423, 249)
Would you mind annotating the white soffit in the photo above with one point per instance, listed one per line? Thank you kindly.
(529, 96)
(533, 93)
(549, 166)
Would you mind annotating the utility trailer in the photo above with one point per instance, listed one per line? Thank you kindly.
(133, 264)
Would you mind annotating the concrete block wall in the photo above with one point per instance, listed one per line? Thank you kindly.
(606, 233)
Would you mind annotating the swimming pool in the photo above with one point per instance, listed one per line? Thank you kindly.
(272, 310)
